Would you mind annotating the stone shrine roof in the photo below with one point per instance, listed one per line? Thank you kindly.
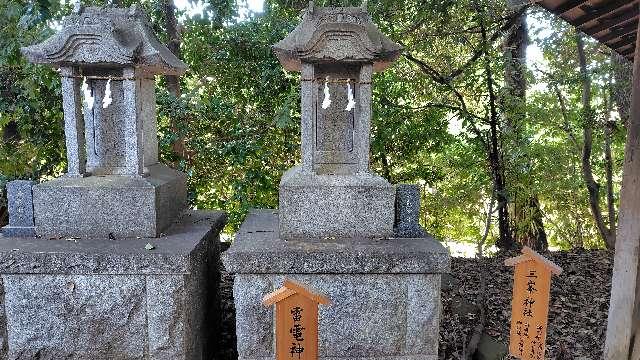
(106, 37)
(336, 34)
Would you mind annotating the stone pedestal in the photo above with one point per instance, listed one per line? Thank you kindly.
(358, 205)
(20, 206)
(95, 298)
(385, 294)
(122, 206)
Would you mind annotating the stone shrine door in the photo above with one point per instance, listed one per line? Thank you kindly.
(104, 128)
(335, 122)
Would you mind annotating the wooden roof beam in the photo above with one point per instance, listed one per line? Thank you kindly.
(568, 6)
(593, 13)
(627, 52)
(614, 20)
(624, 42)
(619, 31)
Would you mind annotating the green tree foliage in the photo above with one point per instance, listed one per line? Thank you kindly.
(238, 114)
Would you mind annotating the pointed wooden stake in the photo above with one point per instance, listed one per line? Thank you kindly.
(296, 320)
(530, 303)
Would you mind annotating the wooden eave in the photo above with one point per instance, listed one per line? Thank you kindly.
(611, 22)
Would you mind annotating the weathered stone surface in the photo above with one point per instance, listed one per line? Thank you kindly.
(335, 205)
(334, 124)
(337, 128)
(335, 141)
(258, 249)
(80, 316)
(423, 303)
(408, 212)
(97, 206)
(254, 322)
(110, 149)
(148, 115)
(20, 207)
(166, 316)
(173, 253)
(385, 294)
(100, 299)
(4, 346)
(75, 139)
(106, 36)
(362, 134)
(416, 357)
(115, 54)
(359, 40)
(333, 193)
(371, 315)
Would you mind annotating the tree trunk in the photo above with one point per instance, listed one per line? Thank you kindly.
(173, 81)
(609, 126)
(10, 132)
(623, 307)
(588, 119)
(386, 167)
(622, 74)
(515, 51)
(505, 240)
(530, 231)
(527, 226)
(171, 25)
(487, 226)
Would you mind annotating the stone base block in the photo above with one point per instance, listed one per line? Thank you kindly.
(99, 299)
(19, 231)
(97, 206)
(335, 205)
(385, 295)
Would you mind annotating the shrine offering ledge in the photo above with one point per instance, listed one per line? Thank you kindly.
(258, 249)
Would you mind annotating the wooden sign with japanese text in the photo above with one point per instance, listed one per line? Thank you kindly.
(296, 321)
(530, 304)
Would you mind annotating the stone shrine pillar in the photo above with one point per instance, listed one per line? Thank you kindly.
(340, 228)
(107, 262)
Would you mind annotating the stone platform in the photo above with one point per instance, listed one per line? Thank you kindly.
(385, 293)
(357, 205)
(95, 298)
(124, 206)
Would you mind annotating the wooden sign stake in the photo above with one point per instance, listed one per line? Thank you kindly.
(530, 304)
(296, 321)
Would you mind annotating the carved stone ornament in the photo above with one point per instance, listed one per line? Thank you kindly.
(111, 37)
(341, 34)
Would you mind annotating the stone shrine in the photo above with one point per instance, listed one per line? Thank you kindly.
(106, 262)
(336, 50)
(340, 228)
(111, 136)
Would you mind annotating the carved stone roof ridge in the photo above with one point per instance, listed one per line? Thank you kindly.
(106, 37)
(336, 34)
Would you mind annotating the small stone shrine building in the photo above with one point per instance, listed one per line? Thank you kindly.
(111, 136)
(107, 262)
(340, 228)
